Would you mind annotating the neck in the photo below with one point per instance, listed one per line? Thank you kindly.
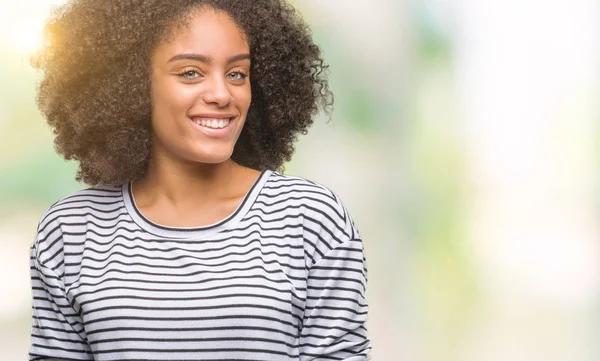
(184, 186)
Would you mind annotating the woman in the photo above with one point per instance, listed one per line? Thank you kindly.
(190, 244)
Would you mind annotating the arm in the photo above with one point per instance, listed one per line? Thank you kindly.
(57, 329)
(334, 324)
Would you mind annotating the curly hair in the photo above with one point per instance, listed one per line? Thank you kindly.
(95, 93)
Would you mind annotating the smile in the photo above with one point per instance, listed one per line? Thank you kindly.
(213, 127)
(214, 123)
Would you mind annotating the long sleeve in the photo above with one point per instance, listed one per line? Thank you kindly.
(57, 331)
(334, 324)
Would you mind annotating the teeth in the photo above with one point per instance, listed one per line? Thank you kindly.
(212, 123)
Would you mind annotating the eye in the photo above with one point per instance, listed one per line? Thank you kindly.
(237, 75)
(189, 74)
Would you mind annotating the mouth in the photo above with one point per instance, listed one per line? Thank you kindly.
(212, 123)
(215, 127)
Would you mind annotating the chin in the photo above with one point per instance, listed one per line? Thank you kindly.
(212, 158)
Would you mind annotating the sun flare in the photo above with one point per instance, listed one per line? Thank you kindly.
(29, 39)
(22, 24)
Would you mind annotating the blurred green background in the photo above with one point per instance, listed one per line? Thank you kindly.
(464, 143)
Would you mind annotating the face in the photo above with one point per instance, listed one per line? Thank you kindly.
(200, 90)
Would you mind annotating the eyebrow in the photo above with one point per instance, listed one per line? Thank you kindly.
(206, 59)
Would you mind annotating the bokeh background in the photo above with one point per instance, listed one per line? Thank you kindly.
(465, 143)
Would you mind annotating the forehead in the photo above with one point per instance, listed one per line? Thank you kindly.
(207, 32)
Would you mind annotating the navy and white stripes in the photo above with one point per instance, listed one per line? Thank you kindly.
(281, 278)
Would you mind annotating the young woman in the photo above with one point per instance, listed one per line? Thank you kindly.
(190, 243)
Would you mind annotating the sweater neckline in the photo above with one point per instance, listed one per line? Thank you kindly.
(193, 232)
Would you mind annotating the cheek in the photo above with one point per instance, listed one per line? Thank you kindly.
(170, 99)
(243, 97)
(168, 109)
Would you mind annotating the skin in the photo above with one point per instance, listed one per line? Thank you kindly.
(191, 179)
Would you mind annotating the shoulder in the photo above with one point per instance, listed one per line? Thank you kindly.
(71, 208)
(81, 202)
(327, 223)
(305, 192)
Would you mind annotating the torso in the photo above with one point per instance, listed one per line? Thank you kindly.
(236, 289)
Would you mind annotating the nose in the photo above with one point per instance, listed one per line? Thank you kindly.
(217, 92)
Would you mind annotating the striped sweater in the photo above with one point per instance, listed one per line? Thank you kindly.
(281, 278)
